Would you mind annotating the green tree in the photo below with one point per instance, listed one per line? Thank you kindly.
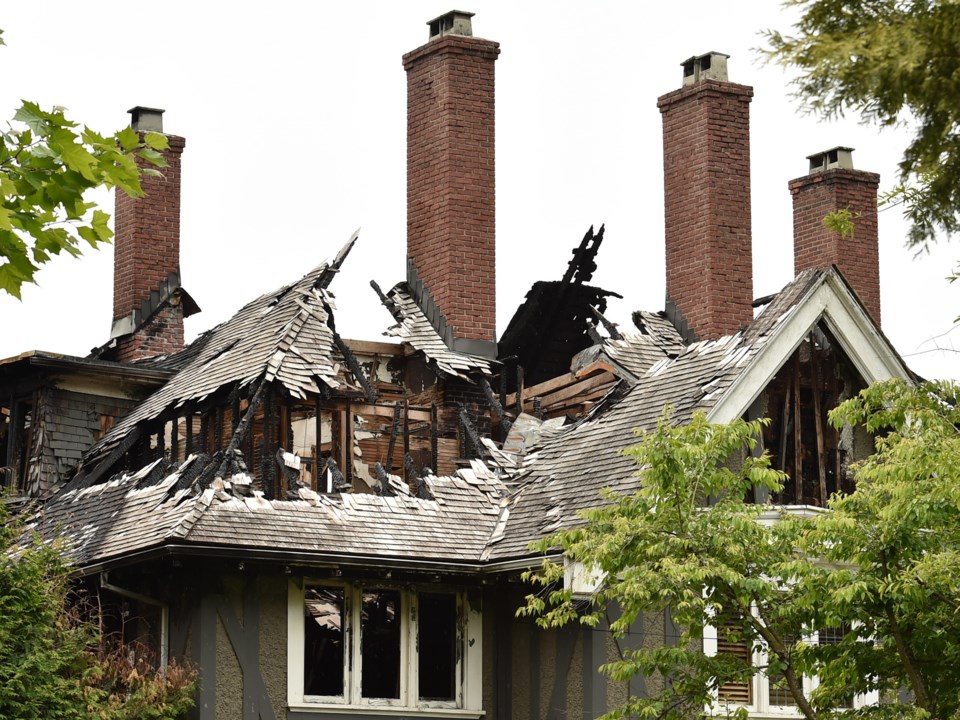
(53, 664)
(894, 62)
(878, 569)
(47, 164)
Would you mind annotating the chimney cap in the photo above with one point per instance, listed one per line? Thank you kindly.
(838, 157)
(454, 22)
(146, 119)
(709, 66)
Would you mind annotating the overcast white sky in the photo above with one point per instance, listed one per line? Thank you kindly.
(294, 115)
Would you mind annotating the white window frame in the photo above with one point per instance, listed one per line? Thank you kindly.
(468, 688)
(760, 685)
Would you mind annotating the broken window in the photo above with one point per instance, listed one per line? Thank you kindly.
(323, 635)
(437, 645)
(367, 645)
(380, 644)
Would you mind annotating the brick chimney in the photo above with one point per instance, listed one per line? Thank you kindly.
(451, 212)
(148, 302)
(833, 184)
(706, 169)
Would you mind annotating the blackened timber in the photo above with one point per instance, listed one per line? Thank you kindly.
(785, 418)
(348, 445)
(389, 304)
(175, 439)
(797, 447)
(550, 327)
(537, 410)
(418, 483)
(495, 406)
(188, 415)
(218, 429)
(318, 432)
(337, 481)
(83, 480)
(592, 333)
(519, 385)
(383, 481)
(351, 359)
(818, 421)
(394, 431)
(204, 432)
(434, 434)
(243, 427)
(480, 449)
(268, 473)
(406, 429)
(610, 327)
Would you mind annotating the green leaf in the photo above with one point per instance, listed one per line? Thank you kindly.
(156, 141)
(128, 139)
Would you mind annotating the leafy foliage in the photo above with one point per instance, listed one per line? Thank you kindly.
(893, 61)
(47, 164)
(880, 565)
(54, 665)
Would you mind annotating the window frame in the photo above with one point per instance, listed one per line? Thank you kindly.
(761, 707)
(468, 670)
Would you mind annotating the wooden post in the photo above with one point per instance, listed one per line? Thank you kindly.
(434, 451)
(818, 420)
(406, 437)
(797, 448)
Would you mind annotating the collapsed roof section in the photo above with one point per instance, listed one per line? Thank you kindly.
(414, 328)
(285, 337)
(488, 512)
(813, 325)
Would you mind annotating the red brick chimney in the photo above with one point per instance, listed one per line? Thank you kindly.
(706, 170)
(831, 185)
(148, 302)
(451, 211)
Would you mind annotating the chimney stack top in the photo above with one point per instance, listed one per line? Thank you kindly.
(455, 22)
(710, 66)
(145, 119)
(838, 157)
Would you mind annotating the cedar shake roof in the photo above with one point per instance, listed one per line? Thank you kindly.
(484, 514)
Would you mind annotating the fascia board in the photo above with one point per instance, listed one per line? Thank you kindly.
(830, 300)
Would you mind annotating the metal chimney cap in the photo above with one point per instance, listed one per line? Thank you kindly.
(838, 157)
(709, 66)
(146, 119)
(455, 22)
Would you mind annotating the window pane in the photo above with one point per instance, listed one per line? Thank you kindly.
(323, 641)
(380, 644)
(437, 646)
(780, 692)
(833, 636)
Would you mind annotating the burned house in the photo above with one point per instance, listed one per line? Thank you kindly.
(330, 527)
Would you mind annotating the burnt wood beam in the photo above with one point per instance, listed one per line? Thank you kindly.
(434, 441)
(818, 421)
(242, 429)
(351, 359)
(394, 431)
(268, 472)
(495, 406)
(797, 446)
(471, 433)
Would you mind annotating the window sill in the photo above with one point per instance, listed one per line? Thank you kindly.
(372, 711)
